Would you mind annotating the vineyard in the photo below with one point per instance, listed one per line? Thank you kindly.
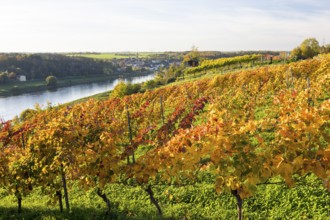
(236, 132)
(226, 62)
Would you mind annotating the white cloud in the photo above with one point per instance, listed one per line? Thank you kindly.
(100, 25)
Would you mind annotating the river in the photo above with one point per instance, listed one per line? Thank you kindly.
(14, 105)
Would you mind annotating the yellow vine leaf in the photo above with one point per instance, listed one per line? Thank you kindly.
(44, 170)
(286, 171)
(218, 184)
(298, 163)
(319, 170)
(253, 180)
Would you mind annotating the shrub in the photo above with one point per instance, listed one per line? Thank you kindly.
(51, 81)
(3, 77)
(26, 114)
(122, 89)
(150, 84)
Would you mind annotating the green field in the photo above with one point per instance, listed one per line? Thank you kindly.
(308, 200)
(16, 88)
(110, 56)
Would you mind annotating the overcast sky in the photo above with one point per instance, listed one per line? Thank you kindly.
(160, 25)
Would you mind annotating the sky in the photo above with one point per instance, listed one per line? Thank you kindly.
(160, 25)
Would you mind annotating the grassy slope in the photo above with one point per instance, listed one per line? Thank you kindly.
(187, 79)
(308, 200)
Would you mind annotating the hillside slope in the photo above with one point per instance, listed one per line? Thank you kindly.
(239, 129)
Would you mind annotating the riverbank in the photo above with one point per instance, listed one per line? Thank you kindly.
(18, 88)
(12, 106)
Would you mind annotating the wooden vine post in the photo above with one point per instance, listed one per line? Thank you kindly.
(23, 143)
(292, 82)
(289, 79)
(162, 109)
(130, 133)
(65, 189)
(309, 100)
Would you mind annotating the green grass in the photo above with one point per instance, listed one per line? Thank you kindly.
(308, 200)
(16, 88)
(110, 56)
(99, 96)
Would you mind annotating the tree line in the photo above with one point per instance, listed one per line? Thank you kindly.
(309, 48)
(39, 66)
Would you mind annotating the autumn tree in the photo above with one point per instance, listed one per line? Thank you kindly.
(296, 54)
(192, 55)
(308, 49)
(325, 48)
(169, 75)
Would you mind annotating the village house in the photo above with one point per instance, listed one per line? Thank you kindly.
(22, 78)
